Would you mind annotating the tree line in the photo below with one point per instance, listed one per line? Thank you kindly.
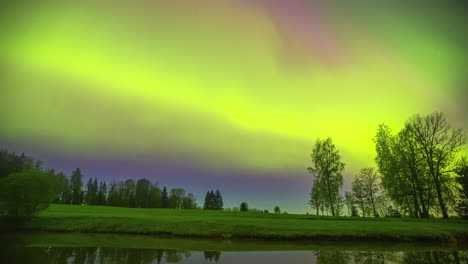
(128, 193)
(419, 173)
(26, 187)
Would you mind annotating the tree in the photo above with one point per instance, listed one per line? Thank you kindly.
(113, 199)
(277, 210)
(349, 200)
(354, 211)
(316, 197)
(207, 203)
(218, 200)
(327, 168)
(359, 194)
(439, 143)
(10, 163)
(101, 196)
(76, 183)
(176, 198)
(244, 207)
(370, 188)
(189, 202)
(154, 198)
(164, 198)
(23, 194)
(462, 204)
(62, 188)
(127, 193)
(92, 192)
(404, 173)
(142, 193)
(213, 200)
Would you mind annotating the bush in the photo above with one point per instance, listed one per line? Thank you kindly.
(244, 207)
(25, 193)
(393, 212)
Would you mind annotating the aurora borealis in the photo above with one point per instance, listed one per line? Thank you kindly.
(227, 94)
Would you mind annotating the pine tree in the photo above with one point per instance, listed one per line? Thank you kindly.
(89, 191)
(206, 205)
(219, 200)
(212, 201)
(95, 192)
(164, 198)
(76, 184)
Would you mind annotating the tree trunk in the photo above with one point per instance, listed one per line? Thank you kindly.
(441, 200)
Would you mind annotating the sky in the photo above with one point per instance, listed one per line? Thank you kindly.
(223, 94)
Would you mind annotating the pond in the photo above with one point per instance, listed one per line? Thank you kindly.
(106, 249)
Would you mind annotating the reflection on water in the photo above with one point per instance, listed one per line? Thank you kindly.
(92, 255)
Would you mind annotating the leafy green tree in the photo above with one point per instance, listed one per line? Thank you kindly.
(189, 202)
(417, 164)
(439, 143)
(359, 195)
(62, 188)
(142, 193)
(23, 194)
(327, 168)
(176, 198)
(366, 189)
(155, 197)
(244, 207)
(76, 184)
(316, 197)
(10, 163)
(349, 200)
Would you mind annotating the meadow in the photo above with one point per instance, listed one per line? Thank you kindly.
(241, 225)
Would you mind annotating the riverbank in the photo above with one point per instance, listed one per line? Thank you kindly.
(242, 225)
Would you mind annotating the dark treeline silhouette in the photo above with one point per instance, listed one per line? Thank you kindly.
(417, 173)
(128, 193)
(26, 187)
(213, 200)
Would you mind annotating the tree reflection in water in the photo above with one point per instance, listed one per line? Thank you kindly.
(93, 255)
(407, 257)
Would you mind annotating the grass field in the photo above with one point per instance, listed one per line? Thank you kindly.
(226, 225)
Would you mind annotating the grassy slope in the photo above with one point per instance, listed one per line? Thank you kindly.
(199, 223)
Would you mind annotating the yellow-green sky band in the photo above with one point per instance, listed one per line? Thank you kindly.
(234, 86)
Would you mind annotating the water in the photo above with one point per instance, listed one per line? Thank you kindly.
(103, 249)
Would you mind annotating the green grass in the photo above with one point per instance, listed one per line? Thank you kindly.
(245, 225)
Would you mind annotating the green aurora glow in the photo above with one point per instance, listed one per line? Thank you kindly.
(228, 84)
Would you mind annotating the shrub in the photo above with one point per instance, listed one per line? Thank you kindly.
(244, 207)
(25, 193)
